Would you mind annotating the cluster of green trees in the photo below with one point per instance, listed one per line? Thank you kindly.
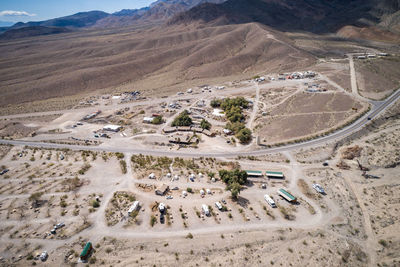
(182, 119)
(233, 110)
(233, 180)
(228, 103)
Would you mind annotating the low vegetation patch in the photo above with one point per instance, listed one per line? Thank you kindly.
(118, 207)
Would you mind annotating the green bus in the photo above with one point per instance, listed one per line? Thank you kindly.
(86, 251)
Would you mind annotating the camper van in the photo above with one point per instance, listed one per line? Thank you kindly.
(218, 205)
(204, 207)
(270, 201)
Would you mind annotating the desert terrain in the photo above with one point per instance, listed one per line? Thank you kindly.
(202, 134)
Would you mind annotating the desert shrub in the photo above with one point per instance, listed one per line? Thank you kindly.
(95, 203)
(119, 155)
(84, 169)
(153, 220)
(189, 236)
(157, 120)
(122, 164)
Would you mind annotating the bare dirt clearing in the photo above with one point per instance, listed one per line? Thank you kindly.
(377, 78)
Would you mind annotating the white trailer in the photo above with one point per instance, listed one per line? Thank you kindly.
(204, 207)
(218, 205)
(134, 207)
(270, 201)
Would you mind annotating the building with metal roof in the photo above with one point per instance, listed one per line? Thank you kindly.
(254, 173)
(286, 195)
(271, 174)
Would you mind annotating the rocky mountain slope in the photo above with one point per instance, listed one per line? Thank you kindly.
(316, 16)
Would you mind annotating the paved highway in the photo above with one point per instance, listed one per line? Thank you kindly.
(377, 109)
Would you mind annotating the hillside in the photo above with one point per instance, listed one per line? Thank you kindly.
(79, 62)
(31, 31)
(288, 15)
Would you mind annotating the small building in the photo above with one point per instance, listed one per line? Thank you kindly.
(218, 112)
(254, 173)
(86, 251)
(148, 119)
(112, 128)
(168, 129)
(162, 190)
(134, 207)
(275, 175)
(286, 195)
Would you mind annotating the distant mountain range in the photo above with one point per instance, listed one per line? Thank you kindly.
(318, 16)
(159, 11)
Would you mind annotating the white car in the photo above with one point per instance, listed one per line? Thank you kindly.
(319, 189)
(169, 197)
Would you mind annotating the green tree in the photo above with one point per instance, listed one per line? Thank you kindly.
(182, 119)
(244, 135)
(235, 127)
(204, 124)
(235, 190)
(158, 120)
(215, 103)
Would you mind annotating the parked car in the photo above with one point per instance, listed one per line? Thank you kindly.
(169, 197)
(319, 189)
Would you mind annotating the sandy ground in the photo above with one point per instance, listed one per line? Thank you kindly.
(352, 225)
